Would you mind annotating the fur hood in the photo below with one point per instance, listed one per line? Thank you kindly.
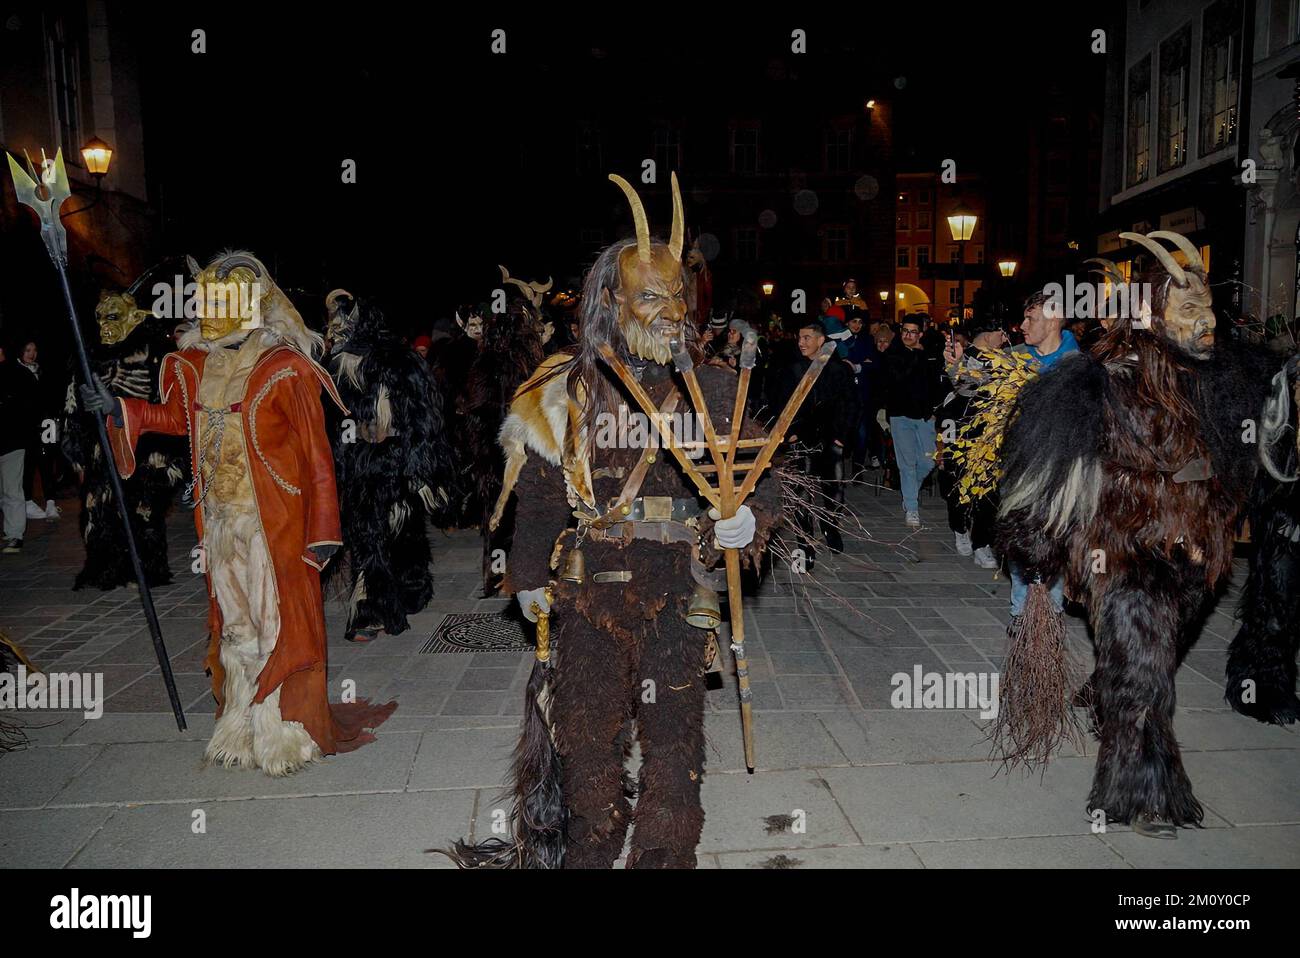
(280, 320)
(545, 419)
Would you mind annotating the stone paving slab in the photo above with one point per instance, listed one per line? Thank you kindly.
(48, 837)
(1266, 846)
(1074, 851)
(806, 859)
(737, 805)
(173, 772)
(340, 831)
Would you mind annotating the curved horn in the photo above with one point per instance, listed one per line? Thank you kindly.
(638, 217)
(679, 222)
(544, 287)
(193, 266)
(1183, 243)
(1166, 258)
(231, 263)
(524, 287)
(1108, 269)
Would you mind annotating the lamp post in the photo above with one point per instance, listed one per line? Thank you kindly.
(768, 288)
(1007, 269)
(961, 223)
(97, 155)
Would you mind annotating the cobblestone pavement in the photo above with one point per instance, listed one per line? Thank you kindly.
(867, 785)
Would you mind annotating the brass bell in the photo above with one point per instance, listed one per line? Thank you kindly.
(704, 612)
(575, 567)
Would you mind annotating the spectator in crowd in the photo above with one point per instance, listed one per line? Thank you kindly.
(1046, 343)
(422, 344)
(42, 408)
(915, 386)
(14, 414)
(834, 321)
(821, 432)
(851, 297)
(967, 368)
(865, 362)
(728, 353)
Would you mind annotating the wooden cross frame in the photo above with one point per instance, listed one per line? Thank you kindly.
(725, 496)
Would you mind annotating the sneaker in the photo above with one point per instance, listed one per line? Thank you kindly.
(962, 540)
(34, 511)
(913, 519)
(52, 511)
(985, 559)
(12, 546)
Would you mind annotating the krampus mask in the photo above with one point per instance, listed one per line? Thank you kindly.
(651, 295)
(1182, 309)
(118, 316)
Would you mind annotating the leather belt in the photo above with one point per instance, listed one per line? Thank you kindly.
(659, 509)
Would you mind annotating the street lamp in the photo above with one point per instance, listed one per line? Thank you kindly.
(961, 223)
(97, 155)
(1007, 268)
(768, 288)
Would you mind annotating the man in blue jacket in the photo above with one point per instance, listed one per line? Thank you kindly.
(1046, 343)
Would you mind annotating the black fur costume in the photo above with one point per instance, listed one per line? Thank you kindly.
(392, 463)
(1261, 668)
(511, 350)
(1090, 462)
(129, 369)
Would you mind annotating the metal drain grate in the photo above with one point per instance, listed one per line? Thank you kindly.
(477, 632)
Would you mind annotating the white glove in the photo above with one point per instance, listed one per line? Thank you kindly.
(736, 532)
(526, 599)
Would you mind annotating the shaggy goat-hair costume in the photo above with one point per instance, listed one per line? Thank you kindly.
(393, 465)
(1091, 463)
(129, 369)
(1261, 670)
(582, 712)
(511, 350)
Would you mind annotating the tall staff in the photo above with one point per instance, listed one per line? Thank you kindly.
(46, 199)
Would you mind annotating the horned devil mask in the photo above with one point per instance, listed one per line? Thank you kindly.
(229, 295)
(1187, 316)
(651, 296)
(118, 316)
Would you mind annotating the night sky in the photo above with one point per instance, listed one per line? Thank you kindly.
(244, 143)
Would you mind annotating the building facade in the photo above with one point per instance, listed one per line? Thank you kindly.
(68, 72)
(1177, 106)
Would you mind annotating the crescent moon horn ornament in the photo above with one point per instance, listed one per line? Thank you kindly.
(679, 221)
(1166, 258)
(231, 263)
(1183, 243)
(638, 217)
(1107, 269)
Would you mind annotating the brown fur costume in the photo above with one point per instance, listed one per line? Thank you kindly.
(614, 637)
(624, 653)
(1138, 456)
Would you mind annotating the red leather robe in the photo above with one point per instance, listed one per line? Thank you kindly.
(285, 429)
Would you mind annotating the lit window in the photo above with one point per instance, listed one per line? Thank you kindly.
(1175, 80)
(1139, 122)
(1220, 75)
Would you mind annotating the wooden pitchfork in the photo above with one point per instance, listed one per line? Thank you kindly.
(726, 497)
